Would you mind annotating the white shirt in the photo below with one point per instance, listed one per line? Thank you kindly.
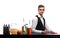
(34, 24)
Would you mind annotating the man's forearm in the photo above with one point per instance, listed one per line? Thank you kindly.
(39, 31)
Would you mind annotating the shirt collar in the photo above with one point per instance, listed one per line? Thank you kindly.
(39, 16)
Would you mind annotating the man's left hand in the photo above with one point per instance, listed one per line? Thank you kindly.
(51, 32)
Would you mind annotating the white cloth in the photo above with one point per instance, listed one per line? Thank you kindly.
(34, 24)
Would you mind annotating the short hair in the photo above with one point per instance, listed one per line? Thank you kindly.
(40, 6)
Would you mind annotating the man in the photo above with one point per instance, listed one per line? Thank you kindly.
(39, 24)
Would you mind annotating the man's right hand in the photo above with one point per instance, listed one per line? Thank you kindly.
(45, 32)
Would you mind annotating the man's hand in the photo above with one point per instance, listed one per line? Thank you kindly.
(51, 32)
(48, 32)
(45, 32)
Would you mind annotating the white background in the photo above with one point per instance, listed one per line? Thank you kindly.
(13, 11)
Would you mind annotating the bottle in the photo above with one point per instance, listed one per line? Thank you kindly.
(23, 29)
(9, 26)
(26, 28)
(6, 30)
(29, 31)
